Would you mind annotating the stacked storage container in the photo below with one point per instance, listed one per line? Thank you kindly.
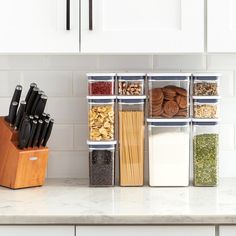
(168, 126)
(101, 123)
(205, 128)
(131, 125)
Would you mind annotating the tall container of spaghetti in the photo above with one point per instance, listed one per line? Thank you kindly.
(131, 139)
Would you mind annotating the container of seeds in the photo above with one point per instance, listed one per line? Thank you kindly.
(204, 108)
(101, 118)
(101, 163)
(205, 152)
(206, 84)
(131, 84)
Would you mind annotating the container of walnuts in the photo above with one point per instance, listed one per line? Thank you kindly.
(101, 117)
(168, 95)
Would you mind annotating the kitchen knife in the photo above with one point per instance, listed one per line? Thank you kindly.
(36, 117)
(43, 132)
(32, 133)
(41, 105)
(12, 113)
(40, 93)
(37, 133)
(24, 133)
(43, 116)
(31, 100)
(19, 115)
(48, 133)
(32, 85)
(48, 116)
(31, 118)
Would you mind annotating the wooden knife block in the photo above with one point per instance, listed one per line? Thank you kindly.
(20, 168)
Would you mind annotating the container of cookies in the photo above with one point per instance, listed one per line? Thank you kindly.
(206, 84)
(101, 163)
(131, 84)
(169, 95)
(101, 117)
(206, 108)
(101, 84)
(169, 152)
(205, 152)
(131, 139)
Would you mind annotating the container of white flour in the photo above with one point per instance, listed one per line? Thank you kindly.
(169, 152)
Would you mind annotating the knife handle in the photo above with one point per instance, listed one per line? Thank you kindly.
(37, 133)
(20, 114)
(41, 105)
(32, 133)
(43, 132)
(32, 85)
(31, 100)
(12, 113)
(17, 94)
(43, 116)
(48, 133)
(24, 133)
(40, 93)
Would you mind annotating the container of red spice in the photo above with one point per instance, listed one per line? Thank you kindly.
(100, 84)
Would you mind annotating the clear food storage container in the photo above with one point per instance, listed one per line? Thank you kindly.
(131, 140)
(205, 108)
(206, 84)
(101, 84)
(205, 152)
(102, 163)
(101, 118)
(131, 84)
(169, 152)
(168, 95)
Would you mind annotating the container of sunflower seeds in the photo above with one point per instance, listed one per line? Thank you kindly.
(206, 84)
(101, 163)
(101, 118)
(205, 152)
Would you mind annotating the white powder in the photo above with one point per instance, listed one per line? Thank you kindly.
(168, 157)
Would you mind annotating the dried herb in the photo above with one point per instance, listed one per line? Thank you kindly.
(205, 153)
(205, 89)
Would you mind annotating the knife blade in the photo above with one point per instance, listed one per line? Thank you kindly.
(43, 132)
(32, 85)
(48, 133)
(38, 96)
(31, 100)
(19, 115)
(41, 105)
(32, 133)
(12, 113)
(37, 133)
(24, 133)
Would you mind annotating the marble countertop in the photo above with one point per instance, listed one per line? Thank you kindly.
(68, 201)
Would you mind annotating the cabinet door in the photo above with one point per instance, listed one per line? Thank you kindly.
(28, 26)
(145, 230)
(227, 231)
(37, 230)
(139, 26)
(221, 26)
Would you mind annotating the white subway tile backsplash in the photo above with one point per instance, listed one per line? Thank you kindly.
(180, 62)
(80, 137)
(4, 105)
(80, 84)
(227, 106)
(221, 61)
(68, 165)
(227, 137)
(227, 162)
(62, 138)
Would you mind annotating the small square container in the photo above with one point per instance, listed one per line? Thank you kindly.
(205, 108)
(101, 118)
(206, 84)
(101, 163)
(101, 84)
(169, 152)
(131, 139)
(131, 84)
(205, 152)
(169, 95)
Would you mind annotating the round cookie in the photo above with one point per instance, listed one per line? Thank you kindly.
(171, 108)
(169, 92)
(181, 91)
(181, 101)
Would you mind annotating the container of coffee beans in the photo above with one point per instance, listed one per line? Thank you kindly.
(101, 163)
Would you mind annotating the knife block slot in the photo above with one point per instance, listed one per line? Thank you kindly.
(20, 168)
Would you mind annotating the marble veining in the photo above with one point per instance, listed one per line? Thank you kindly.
(71, 201)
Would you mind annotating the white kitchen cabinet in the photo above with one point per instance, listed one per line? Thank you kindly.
(221, 26)
(29, 26)
(142, 26)
(145, 230)
(227, 231)
(37, 230)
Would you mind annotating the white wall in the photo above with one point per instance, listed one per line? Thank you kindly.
(63, 79)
